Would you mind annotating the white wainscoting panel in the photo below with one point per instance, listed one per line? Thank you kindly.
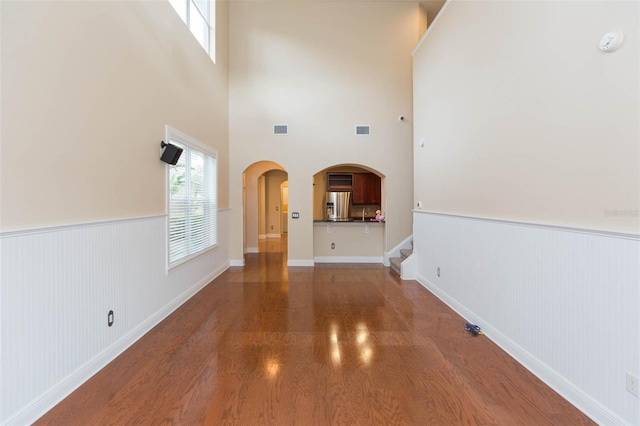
(58, 284)
(564, 303)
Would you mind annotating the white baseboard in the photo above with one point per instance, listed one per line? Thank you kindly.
(236, 262)
(253, 250)
(550, 377)
(300, 262)
(347, 259)
(395, 252)
(47, 400)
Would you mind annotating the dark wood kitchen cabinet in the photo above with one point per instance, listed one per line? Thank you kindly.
(339, 181)
(366, 188)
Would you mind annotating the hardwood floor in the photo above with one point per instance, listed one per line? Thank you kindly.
(338, 344)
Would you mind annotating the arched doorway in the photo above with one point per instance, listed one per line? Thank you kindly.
(359, 238)
(265, 205)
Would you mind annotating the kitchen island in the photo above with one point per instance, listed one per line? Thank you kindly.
(354, 241)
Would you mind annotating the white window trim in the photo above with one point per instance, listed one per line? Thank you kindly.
(175, 134)
(210, 22)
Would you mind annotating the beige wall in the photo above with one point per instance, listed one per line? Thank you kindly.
(273, 215)
(87, 88)
(322, 68)
(422, 18)
(349, 240)
(525, 118)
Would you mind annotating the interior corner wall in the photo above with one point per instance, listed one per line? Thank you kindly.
(287, 66)
(529, 181)
(273, 216)
(87, 89)
(262, 203)
(423, 18)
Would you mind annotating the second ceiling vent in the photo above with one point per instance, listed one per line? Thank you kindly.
(280, 129)
(363, 130)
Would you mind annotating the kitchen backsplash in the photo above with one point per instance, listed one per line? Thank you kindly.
(369, 211)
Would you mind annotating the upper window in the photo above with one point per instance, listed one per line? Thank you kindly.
(199, 15)
(193, 203)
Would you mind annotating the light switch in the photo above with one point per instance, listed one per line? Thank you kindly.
(295, 215)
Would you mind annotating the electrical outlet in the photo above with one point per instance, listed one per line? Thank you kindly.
(632, 384)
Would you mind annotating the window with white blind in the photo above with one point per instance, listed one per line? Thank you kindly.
(192, 195)
(199, 15)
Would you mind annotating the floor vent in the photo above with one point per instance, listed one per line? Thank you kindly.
(280, 129)
(363, 130)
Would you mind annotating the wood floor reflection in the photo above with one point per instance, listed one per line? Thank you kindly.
(334, 344)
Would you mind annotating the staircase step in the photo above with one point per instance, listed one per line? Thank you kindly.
(394, 263)
(404, 253)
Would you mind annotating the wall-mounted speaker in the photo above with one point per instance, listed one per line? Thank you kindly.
(171, 153)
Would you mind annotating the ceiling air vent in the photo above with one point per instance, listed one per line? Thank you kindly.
(363, 130)
(280, 129)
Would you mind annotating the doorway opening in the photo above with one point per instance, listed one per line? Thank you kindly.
(265, 208)
(348, 206)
